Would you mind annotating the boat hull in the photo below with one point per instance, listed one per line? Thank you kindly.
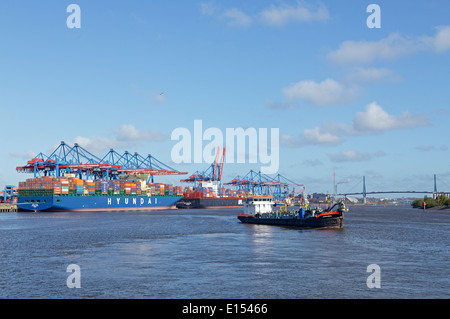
(214, 202)
(96, 203)
(326, 221)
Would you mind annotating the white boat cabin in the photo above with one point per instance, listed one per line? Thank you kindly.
(258, 205)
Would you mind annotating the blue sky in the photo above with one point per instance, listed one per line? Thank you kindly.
(346, 98)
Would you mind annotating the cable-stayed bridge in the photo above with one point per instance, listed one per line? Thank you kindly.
(364, 192)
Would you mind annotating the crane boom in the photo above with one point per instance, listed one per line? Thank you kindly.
(215, 164)
(221, 164)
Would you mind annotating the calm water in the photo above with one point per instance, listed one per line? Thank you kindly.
(210, 254)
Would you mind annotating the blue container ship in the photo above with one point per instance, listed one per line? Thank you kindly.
(96, 203)
(73, 179)
(75, 194)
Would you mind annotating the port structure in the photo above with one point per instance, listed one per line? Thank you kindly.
(212, 174)
(257, 183)
(77, 160)
(8, 194)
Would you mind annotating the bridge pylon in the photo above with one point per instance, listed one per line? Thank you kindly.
(435, 194)
(364, 191)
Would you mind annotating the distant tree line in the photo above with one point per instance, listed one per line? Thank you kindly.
(441, 200)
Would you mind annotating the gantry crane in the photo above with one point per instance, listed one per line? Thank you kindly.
(257, 183)
(76, 160)
(212, 174)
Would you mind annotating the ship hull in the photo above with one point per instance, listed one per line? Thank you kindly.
(96, 203)
(327, 221)
(214, 202)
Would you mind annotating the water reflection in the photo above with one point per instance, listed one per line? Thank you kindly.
(261, 234)
(212, 255)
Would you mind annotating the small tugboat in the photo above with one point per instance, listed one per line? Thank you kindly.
(260, 210)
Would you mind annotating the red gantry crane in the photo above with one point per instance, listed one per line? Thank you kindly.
(212, 173)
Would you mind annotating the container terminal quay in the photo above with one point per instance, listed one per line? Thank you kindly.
(73, 179)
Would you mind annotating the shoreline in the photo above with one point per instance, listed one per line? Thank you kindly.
(435, 208)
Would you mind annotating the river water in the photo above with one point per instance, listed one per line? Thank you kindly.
(209, 254)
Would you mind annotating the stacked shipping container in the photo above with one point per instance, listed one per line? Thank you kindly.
(202, 192)
(73, 186)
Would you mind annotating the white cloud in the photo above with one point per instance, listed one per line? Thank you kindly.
(332, 92)
(371, 75)
(128, 132)
(372, 121)
(441, 41)
(318, 135)
(363, 52)
(237, 18)
(279, 16)
(354, 156)
(375, 119)
(96, 144)
(392, 47)
(328, 134)
(325, 93)
(273, 16)
(126, 136)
